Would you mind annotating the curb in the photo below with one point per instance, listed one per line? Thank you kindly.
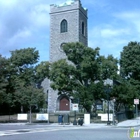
(70, 125)
(128, 126)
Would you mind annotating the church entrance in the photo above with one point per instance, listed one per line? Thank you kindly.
(64, 104)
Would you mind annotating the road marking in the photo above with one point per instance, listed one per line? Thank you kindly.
(23, 131)
(48, 129)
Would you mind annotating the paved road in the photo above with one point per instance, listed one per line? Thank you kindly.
(94, 131)
(63, 133)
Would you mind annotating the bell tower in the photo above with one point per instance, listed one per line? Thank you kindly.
(68, 23)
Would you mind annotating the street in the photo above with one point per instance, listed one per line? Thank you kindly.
(44, 132)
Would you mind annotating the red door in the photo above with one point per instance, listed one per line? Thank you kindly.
(64, 104)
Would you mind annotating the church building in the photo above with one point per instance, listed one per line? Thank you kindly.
(68, 23)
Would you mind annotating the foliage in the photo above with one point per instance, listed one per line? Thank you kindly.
(81, 75)
(3, 78)
(124, 93)
(86, 61)
(130, 61)
(26, 92)
(130, 70)
(109, 67)
(29, 96)
(20, 77)
(62, 76)
(24, 57)
(42, 71)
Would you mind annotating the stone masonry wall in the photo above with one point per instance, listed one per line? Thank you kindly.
(74, 14)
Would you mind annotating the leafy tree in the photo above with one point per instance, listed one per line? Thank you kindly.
(29, 96)
(24, 61)
(19, 75)
(61, 74)
(3, 78)
(76, 76)
(24, 57)
(130, 60)
(85, 60)
(109, 67)
(42, 71)
(82, 74)
(130, 68)
(124, 94)
(109, 70)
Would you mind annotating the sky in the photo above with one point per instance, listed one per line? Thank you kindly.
(112, 24)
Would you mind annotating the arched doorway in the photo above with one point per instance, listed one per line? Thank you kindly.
(64, 104)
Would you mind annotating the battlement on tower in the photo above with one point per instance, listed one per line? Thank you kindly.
(68, 6)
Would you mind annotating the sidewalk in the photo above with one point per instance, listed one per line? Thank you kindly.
(124, 124)
(130, 123)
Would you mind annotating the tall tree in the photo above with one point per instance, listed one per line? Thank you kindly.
(109, 70)
(24, 61)
(81, 75)
(130, 66)
(130, 61)
(19, 75)
(29, 96)
(3, 78)
(124, 94)
(76, 76)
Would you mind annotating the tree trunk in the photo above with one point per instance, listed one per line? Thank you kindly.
(30, 114)
(21, 109)
(9, 114)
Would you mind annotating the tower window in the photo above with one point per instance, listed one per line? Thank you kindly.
(64, 26)
(83, 28)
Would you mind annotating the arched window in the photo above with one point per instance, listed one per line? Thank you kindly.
(83, 28)
(63, 26)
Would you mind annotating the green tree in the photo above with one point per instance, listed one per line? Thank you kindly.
(109, 70)
(124, 94)
(19, 75)
(130, 68)
(42, 71)
(29, 96)
(76, 76)
(61, 74)
(3, 78)
(82, 74)
(24, 61)
(109, 67)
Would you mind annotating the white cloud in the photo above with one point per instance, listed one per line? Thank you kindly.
(109, 33)
(131, 18)
(127, 15)
(8, 2)
(102, 4)
(39, 15)
(109, 38)
(23, 24)
(112, 35)
(21, 34)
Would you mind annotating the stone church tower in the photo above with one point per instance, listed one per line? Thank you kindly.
(68, 23)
